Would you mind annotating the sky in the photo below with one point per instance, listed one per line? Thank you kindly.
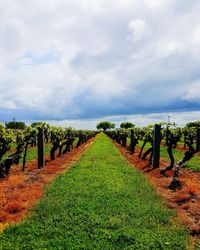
(81, 61)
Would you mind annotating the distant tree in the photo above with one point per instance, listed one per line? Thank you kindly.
(193, 124)
(105, 125)
(15, 125)
(127, 125)
(35, 124)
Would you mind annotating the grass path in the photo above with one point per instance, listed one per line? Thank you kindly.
(101, 203)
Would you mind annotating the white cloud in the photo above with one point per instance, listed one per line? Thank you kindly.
(169, 48)
(180, 118)
(153, 4)
(138, 29)
(8, 104)
(196, 35)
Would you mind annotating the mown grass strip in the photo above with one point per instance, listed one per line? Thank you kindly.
(101, 203)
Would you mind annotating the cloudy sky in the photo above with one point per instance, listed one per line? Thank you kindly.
(86, 60)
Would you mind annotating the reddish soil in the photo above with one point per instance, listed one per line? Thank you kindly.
(21, 190)
(186, 201)
(181, 148)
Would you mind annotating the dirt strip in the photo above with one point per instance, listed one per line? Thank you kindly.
(21, 190)
(186, 201)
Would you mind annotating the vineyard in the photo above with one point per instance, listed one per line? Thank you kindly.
(153, 141)
(47, 140)
(108, 203)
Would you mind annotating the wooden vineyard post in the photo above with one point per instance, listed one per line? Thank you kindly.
(132, 142)
(198, 140)
(156, 146)
(71, 138)
(118, 137)
(79, 140)
(167, 135)
(41, 159)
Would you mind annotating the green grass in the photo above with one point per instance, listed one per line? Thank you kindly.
(100, 203)
(193, 164)
(33, 154)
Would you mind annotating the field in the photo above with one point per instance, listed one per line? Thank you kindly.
(100, 203)
(113, 198)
